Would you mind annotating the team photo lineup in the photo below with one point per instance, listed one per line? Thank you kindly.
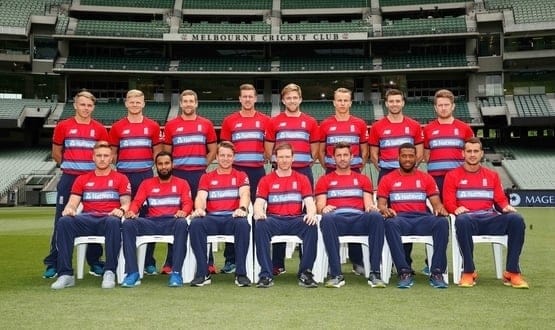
(140, 180)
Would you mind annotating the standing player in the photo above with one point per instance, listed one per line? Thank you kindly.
(344, 198)
(472, 192)
(388, 133)
(191, 139)
(221, 207)
(402, 198)
(245, 129)
(278, 211)
(105, 195)
(72, 150)
(444, 138)
(343, 127)
(135, 140)
(302, 132)
(168, 202)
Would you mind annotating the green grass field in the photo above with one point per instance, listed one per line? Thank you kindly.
(26, 300)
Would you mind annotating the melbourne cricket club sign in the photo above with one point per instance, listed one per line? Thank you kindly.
(536, 198)
(237, 37)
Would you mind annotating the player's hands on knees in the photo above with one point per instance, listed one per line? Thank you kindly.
(310, 219)
(388, 212)
(197, 213)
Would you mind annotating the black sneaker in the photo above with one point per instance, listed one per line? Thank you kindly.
(306, 280)
(242, 281)
(265, 282)
(201, 280)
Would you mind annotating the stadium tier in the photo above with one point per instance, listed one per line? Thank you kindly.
(16, 164)
(117, 63)
(153, 29)
(130, 3)
(407, 26)
(533, 106)
(422, 61)
(227, 4)
(384, 3)
(529, 168)
(326, 27)
(293, 4)
(530, 11)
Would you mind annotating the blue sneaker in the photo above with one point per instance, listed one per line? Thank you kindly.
(97, 269)
(176, 280)
(228, 268)
(406, 280)
(50, 272)
(436, 280)
(426, 271)
(131, 280)
(150, 270)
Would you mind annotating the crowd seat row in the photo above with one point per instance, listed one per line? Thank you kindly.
(420, 26)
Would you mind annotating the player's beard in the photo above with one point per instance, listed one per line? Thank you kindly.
(165, 176)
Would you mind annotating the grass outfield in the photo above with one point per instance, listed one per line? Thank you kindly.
(26, 300)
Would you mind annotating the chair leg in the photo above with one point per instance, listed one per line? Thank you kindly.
(81, 253)
(498, 259)
(141, 255)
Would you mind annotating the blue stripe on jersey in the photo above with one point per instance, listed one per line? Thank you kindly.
(280, 198)
(407, 196)
(351, 139)
(475, 194)
(134, 165)
(395, 142)
(442, 166)
(105, 195)
(164, 201)
(79, 143)
(344, 210)
(247, 135)
(248, 157)
(189, 160)
(389, 164)
(135, 143)
(78, 166)
(231, 193)
(293, 135)
(446, 143)
(344, 193)
(189, 139)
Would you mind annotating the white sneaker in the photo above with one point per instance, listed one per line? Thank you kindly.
(64, 281)
(108, 280)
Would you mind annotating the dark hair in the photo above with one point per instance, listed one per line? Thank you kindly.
(407, 145)
(473, 140)
(162, 154)
(342, 145)
(394, 91)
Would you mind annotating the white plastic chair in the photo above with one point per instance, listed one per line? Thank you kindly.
(497, 243)
(317, 268)
(387, 260)
(141, 245)
(190, 264)
(81, 243)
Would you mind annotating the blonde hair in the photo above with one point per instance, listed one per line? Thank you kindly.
(86, 94)
(134, 93)
(188, 92)
(291, 88)
(444, 93)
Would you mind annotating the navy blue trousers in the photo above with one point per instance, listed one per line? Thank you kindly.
(490, 223)
(409, 223)
(87, 225)
(212, 224)
(154, 226)
(335, 224)
(63, 191)
(282, 225)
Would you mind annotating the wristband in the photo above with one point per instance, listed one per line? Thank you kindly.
(243, 208)
(122, 210)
